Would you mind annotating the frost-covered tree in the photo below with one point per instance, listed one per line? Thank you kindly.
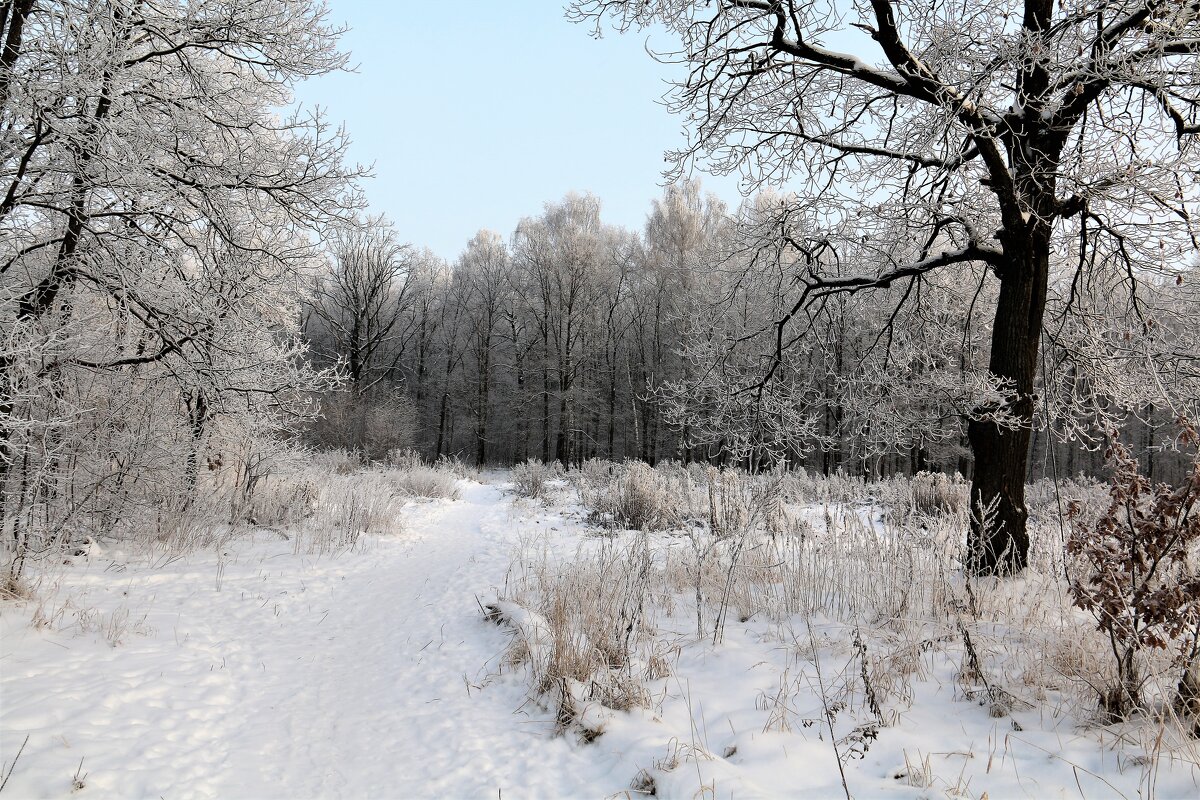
(158, 222)
(483, 269)
(360, 321)
(866, 380)
(362, 300)
(559, 255)
(682, 234)
(931, 136)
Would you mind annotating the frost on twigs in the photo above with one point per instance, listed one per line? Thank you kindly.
(582, 636)
(533, 479)
(1137, 573)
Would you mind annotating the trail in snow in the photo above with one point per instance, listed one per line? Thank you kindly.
(360, 676)
(384, 695)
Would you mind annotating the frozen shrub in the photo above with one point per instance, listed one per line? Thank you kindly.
(1048, 499)
(936, 493)
(594, 472)
(643, 502)
(733, 501)
(1136, 571)
(404, 459)
(531, 479)
(371, 425)
(580, 629)
(339, 462)
(802, 487)
(426, 482)
(456, 467)
(924, 495)
(348, 508)
(641, 498)
(186, 522)
(282, 501)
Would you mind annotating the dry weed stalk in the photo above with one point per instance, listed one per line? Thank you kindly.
(883, 561)
(581, 630)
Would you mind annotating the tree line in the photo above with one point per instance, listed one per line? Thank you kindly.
(571, 339)
(983, 261)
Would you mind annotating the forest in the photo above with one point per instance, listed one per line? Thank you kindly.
(918, 411)
(598, 342)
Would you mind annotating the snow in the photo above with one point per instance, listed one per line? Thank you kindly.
(353, 676)
(256, 672)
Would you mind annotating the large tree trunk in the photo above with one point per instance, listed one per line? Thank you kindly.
(998, 542)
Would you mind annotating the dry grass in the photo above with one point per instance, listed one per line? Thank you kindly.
(883, 564)
(425, 482)
(320, 505)
(533, 479)
(580, 628)
(636, 496)
(284, 500)
(347, 508)
(338, 462)
(15, 589)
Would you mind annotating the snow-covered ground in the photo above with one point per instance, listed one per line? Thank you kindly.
(265, 674)
(259, 673)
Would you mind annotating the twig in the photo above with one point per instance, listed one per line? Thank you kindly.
(13, 765)
(825, 705)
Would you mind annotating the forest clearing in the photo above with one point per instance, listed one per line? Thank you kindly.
(641, 398)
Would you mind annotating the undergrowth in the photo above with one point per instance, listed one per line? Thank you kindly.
(689, 551)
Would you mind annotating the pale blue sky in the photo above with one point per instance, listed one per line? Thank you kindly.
(475, 114)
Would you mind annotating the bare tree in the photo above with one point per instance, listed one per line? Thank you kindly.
(683, 230)
(157, 224)
(363, 299)
(993, 133)
(483, 270)
(359, 319)
(560, 254)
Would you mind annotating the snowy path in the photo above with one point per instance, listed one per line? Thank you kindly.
(382, 699)
(350, 677)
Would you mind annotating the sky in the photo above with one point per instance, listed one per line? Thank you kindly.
(476, 114)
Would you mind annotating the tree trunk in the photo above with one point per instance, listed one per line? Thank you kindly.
(13, 24)
(545, 407)
(197, 412)
(612, 413)
(999, 542)
(421, 345)
(441, 437)
(561, 442)
(7, 452)
(483, 385)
